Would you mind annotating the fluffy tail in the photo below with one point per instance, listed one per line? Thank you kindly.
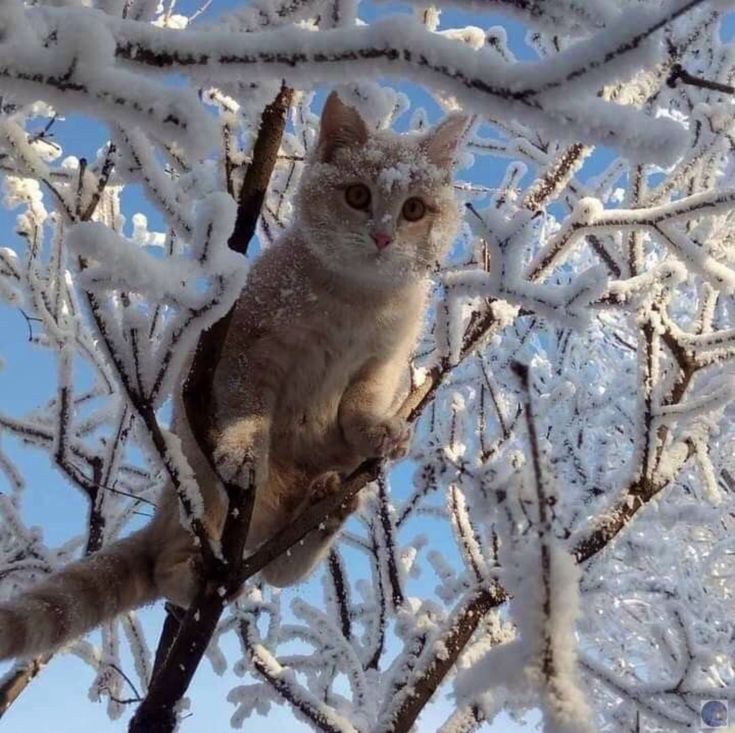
(79, 597)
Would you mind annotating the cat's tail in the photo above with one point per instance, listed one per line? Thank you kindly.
(79, 597)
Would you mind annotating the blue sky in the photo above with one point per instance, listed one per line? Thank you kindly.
(57, 702)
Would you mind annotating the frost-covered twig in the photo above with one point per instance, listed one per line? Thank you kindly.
(406, 47)
(545, 601)
(431, 668)
(590, 217)
(282, 680)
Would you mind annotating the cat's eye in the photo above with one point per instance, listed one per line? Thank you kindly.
(358, 196)
(413, 209)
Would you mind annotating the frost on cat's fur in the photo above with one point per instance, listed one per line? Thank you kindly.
(311, 374)
(394, 169)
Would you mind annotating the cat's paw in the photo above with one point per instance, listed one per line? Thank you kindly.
(326, 485)
(235, 466)
(390, 438)
(241, 455)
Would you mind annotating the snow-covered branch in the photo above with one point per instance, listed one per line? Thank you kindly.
(578, 522)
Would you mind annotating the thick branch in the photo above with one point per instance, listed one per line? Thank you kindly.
(434, 667)
(679, 73)
(176, 665)
(300, 56)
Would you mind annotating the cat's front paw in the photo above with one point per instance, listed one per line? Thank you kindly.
(389, 438)
(241, 456)
(236, 466)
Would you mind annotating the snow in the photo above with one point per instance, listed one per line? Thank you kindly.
(31, 69)
(117, 263)
(596, 250)
(496, 88)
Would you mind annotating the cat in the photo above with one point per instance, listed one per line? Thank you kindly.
(312, 373)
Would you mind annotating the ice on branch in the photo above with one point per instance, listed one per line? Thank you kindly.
(403, 47)
(506, 240)
(114, 262)
(589, 217)
(585, 573)
(77, 71)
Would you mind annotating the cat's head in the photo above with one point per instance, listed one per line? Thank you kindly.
(379, 207)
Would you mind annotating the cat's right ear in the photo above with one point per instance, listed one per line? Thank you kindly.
(442, 144)
(341, 127)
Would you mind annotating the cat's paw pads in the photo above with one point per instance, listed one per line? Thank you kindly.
(388, 439)
(327, 485)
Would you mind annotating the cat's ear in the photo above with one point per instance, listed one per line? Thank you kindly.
(442, 143)
(341, 127)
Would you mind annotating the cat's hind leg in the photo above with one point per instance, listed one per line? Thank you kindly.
(295, 564)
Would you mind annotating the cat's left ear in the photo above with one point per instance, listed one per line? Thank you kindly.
(443, 142)
(341, 127)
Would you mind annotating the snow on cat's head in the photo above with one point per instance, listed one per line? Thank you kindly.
(379, 206)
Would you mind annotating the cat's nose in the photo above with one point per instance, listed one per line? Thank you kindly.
(381, 239)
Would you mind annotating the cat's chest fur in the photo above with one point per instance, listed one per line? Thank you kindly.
(314, 343)
(328, 343)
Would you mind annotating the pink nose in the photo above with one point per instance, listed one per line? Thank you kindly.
(381, 239)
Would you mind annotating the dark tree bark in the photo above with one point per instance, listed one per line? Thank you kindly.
(183, 642)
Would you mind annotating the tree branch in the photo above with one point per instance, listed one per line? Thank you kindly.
(179, 655)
